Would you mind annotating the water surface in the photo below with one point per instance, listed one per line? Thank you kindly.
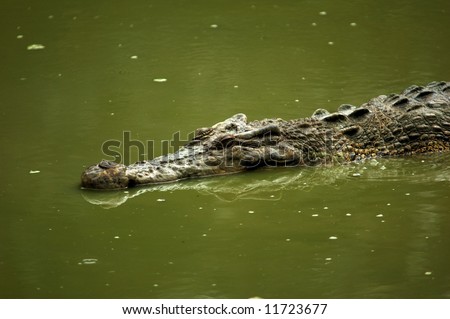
(371, 230)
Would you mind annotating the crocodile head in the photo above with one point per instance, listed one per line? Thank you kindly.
(227, 147)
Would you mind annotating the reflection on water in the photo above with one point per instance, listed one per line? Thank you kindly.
(269, 184)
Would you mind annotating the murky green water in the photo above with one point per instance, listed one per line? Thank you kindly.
(378, 230)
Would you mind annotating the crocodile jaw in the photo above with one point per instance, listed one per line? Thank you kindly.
(183, 164)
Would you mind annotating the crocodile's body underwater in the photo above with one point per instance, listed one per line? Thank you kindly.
(415, 121)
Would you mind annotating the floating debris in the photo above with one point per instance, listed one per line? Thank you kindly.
(353, 24)
(116, 237)
(134, 57)
(323, 13)
(379, 215)
(326, 207)
(214, 26)
(36, 46)
(407, 194)
(315, 215)
(348, 214)
(19, 36)
(160, 80)
(328, 259)
(333, 237)
(288, 239)
(314, 24)
(330, 43)
(160, 200)
(34, 172)
(356, 174)
(428, 273)
(88, 261)
(251, 211)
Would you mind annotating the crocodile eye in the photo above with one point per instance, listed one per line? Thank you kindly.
(202, 131)
(231, 127)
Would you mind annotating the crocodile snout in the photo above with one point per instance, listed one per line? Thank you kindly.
(105, 175)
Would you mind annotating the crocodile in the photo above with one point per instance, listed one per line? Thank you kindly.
(416, 121)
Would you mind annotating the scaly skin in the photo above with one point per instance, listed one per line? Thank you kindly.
(415, 121)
